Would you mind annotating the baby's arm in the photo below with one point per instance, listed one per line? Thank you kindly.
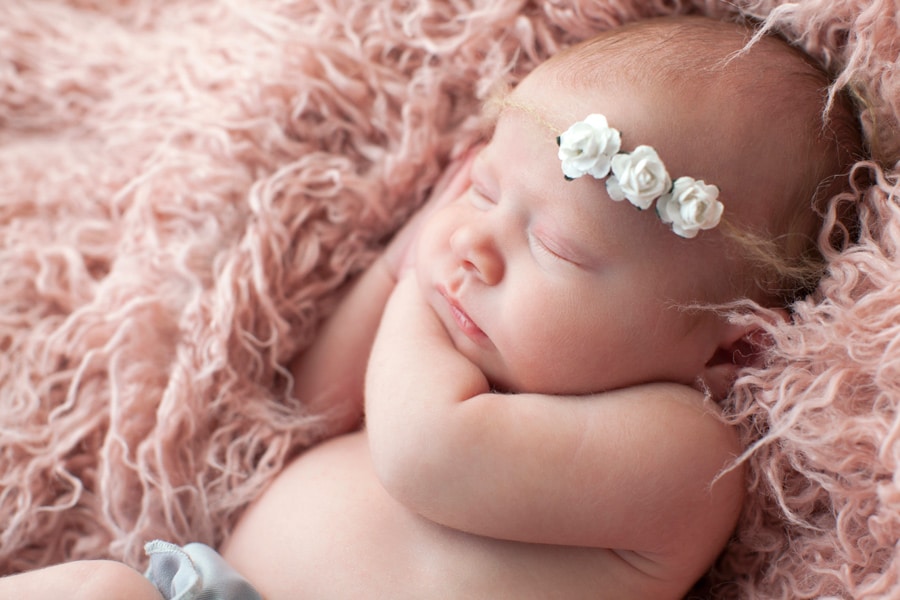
(329, 376)
(628, 469)
(80, 580)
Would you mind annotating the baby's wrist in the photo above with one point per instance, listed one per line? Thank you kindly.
(387, 267)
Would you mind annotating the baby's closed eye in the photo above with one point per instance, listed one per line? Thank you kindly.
(545, 243)
(480, 199)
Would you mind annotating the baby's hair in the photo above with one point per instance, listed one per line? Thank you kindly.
(787, 261)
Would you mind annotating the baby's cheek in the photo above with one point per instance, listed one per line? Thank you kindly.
(527, 367)
(428, 241)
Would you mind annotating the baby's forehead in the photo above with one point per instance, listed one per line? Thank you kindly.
(679, 50)
(689, 57)
(741, 141)
(524, 146)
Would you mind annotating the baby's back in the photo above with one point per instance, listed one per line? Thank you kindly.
(327, 529)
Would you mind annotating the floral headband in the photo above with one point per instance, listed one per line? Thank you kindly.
(591, 147)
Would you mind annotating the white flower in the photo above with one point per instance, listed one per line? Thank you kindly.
(587, 147)
(692, 205)
(639, 176)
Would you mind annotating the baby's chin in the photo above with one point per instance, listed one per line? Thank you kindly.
(513, 385)
(506, 378)
(501, 383)
(502, 388)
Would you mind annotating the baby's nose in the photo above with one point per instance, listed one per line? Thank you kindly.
(478, 252)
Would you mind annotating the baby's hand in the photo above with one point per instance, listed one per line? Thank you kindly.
(418, 321)
(400, 253)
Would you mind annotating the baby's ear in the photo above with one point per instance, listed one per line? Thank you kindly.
(740, 345)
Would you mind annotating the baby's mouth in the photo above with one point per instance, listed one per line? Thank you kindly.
(463, 321)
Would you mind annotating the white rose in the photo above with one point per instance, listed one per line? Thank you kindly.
(587, 147)
(690, 207)
(639, 176)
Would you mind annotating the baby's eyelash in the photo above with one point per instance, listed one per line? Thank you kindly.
(543, 247)
(558, 249)
(479, 199)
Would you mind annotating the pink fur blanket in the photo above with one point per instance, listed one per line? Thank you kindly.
(185, 185)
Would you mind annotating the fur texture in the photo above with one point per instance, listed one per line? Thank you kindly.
(186, 184)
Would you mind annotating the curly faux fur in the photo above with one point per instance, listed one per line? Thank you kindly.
(186, 184)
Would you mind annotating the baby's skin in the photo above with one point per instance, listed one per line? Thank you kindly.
(540, 397)
(534, 427)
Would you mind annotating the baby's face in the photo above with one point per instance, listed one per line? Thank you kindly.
(549, 285)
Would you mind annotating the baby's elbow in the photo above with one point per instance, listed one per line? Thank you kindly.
(409, 471)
